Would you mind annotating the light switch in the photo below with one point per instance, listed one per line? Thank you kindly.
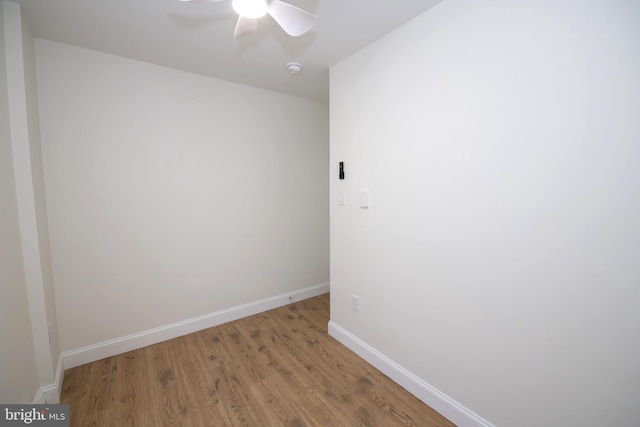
(341, 197)
(364, 199)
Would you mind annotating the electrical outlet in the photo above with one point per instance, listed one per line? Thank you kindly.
(355, 303)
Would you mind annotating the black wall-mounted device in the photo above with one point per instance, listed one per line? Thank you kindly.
(341, 170)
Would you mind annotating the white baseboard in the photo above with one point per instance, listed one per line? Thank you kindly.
(99, 351)
(40, 399)
(51, 393)
(446, 406)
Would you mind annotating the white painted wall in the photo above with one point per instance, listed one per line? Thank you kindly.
(172, 195)
(38, 185)
(498, 261)
(18, 368)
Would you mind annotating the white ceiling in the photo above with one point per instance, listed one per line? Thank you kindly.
(199, 37)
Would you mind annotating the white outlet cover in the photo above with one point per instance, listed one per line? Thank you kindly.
(355, 303)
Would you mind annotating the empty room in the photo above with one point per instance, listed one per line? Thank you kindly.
(320, 213)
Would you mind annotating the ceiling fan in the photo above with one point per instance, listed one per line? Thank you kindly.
(293, 20)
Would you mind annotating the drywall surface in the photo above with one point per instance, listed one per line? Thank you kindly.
(37, 177)
(18, 368)
(172, 195)
(498, 260)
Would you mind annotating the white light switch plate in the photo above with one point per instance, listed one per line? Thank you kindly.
(365, 197)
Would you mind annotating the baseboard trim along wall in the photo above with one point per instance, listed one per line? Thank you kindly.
(446, 406)
(51, 393)
(91, 353)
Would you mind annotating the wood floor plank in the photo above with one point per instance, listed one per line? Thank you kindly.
(277, 368)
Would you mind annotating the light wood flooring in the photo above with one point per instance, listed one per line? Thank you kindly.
(277, 368)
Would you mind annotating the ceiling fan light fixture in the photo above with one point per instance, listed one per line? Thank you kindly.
(250, 8)
(293, 20)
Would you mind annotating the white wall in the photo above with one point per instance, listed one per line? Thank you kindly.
(38, 185)
(498, 261)
(19, 370)
(172, 195)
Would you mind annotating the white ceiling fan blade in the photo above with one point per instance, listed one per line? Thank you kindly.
(293, 20)
(245, 26)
